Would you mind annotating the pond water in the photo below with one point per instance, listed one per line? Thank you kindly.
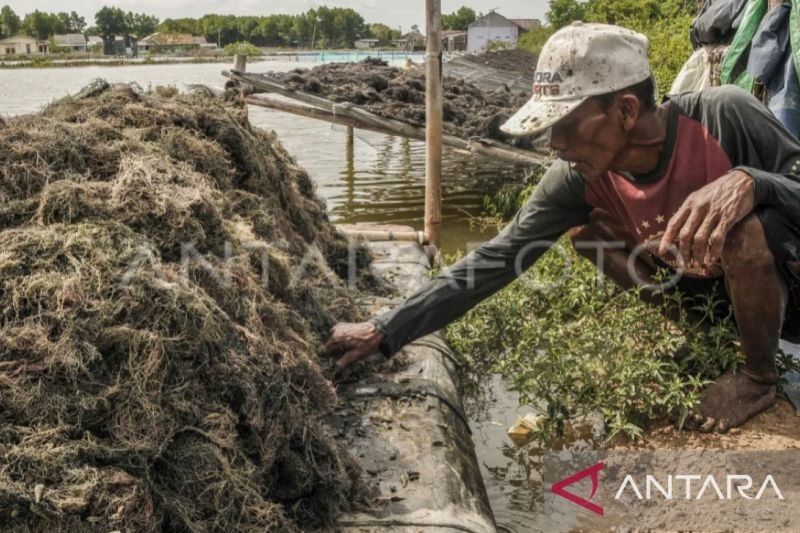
(383, 183)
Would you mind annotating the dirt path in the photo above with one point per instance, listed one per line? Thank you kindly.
(777, 428)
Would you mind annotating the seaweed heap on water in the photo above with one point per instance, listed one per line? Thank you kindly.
(157, 354)
(514, 59)
(400, 94)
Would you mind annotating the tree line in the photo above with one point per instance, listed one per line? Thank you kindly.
(322, 27)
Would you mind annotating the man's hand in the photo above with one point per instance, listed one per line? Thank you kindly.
(701, 225)
(357, 341)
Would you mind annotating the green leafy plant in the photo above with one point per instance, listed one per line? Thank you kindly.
(243, 48)
(574, 344)
(665, 23)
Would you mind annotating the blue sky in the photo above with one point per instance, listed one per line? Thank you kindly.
(395, 14)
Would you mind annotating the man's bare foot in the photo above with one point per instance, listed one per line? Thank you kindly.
(729, 402)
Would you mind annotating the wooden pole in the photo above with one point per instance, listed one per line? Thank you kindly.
(433, 123)
(351, 166)
(240, 62)
(350, 141)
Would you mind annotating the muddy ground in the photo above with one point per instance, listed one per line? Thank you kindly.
(777, 428)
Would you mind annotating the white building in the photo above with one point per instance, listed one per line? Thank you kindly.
(362, 44)
(491, 28)
(22, 45)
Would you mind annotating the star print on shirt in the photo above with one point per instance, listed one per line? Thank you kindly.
(660, 219)
(646, 224)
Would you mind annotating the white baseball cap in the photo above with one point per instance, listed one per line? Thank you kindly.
(579, 61)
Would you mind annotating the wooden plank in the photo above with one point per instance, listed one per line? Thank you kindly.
(343, 116)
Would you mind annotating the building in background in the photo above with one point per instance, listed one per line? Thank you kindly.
(94, 43)
(172, 42)
(411, 41)
(527, 24)
(69, 42)
(490, 31)
(22, 45)
(363, 44)
(123, 46)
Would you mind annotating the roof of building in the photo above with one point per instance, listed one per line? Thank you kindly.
(527, 24)
(368, 40)
(452, 33)
(94, 39)
(494, 19)
(413, 35)
(173, 39)
(70, 39)
(21, 38)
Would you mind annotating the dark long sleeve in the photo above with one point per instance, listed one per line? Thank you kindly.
(756, 142)
(773, 161)
(556, 205)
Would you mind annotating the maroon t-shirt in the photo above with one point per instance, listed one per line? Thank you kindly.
(645, 207)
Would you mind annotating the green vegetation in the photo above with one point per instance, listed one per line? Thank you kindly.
(383, 33)
(322, 27)
(572, 344)
(242, 48)
(112, 21)
(665, 22)
(575, 345)
(10, 22)
(459, 20)
(39, 24)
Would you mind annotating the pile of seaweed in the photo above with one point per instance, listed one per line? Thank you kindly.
(166, 274)
(397, 93)
(515, 60)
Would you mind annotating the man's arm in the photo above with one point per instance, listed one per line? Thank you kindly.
(556, 205)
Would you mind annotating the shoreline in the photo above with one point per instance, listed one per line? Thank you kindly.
(45, 62)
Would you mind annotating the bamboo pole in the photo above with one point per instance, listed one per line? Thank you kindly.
(379, 235)
(433, 123)
(350, 141)
(344, 117)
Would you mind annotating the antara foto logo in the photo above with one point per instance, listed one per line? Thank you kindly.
(559, 488)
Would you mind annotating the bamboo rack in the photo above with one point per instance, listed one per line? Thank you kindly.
(348, 114)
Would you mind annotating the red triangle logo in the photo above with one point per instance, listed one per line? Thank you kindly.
(593, 471)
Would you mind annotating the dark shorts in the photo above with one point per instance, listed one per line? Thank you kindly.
(783, 238)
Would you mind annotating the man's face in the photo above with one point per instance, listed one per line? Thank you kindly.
(590, 137)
